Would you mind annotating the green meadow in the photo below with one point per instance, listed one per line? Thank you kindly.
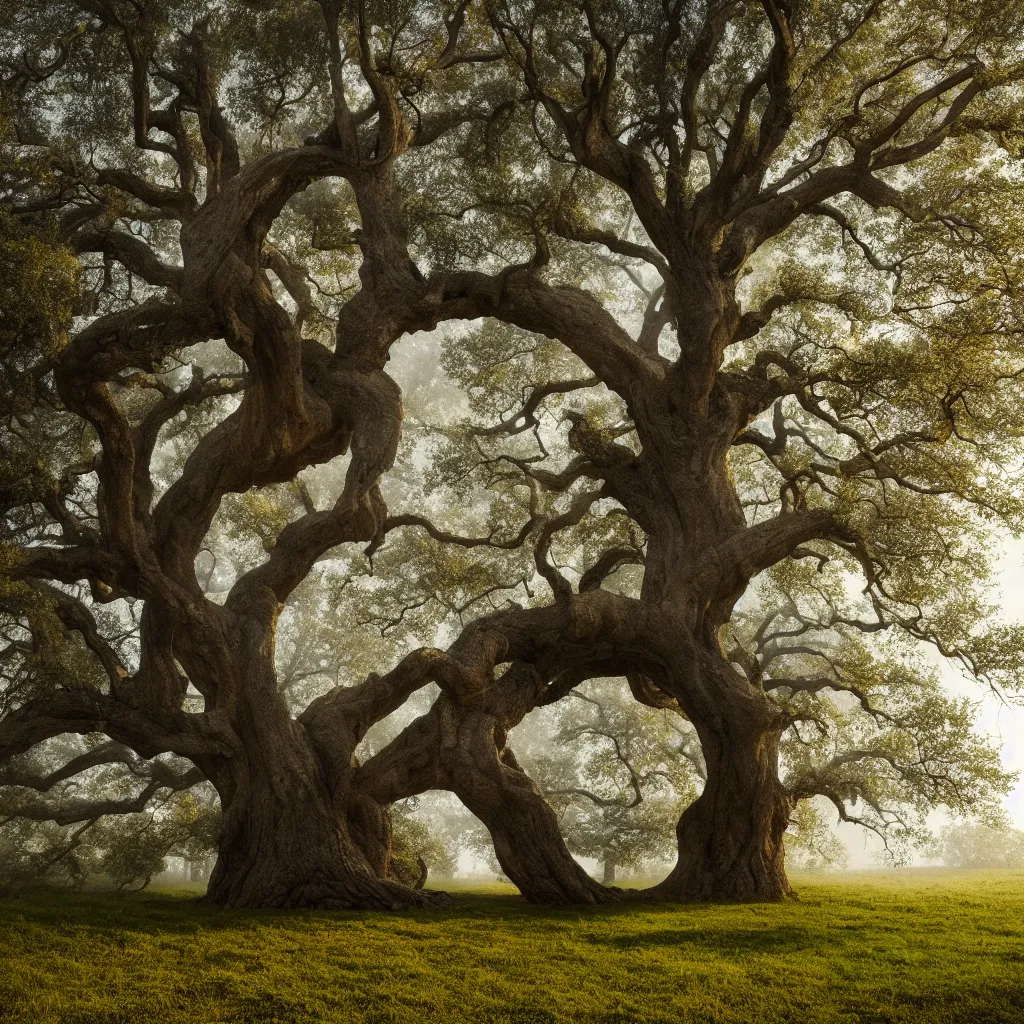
(872, 947)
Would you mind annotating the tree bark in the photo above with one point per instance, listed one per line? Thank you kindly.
(731, 837)
(487, 778)
(286, 838)
(460, 746)
(608, 877)
(528, 844)
(283, 845)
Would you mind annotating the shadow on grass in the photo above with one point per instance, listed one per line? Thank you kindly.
(181, 912)
(740, 942)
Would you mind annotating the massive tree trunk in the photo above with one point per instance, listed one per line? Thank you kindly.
(731, 837)
(283, 845)
(608, 878)
(286, 840)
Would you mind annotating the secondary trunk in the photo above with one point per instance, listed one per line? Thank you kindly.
(731, 837)
(522, 824)
(530, 848)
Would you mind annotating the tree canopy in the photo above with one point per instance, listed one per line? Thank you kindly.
(705, 322)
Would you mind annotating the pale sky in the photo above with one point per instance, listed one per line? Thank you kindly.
(1008, 722)
(1003, 722)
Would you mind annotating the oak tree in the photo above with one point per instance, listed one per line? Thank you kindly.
(777, 241)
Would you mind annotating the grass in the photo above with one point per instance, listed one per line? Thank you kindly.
(874, 948)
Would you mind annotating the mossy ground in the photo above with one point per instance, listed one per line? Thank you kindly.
(932, 947)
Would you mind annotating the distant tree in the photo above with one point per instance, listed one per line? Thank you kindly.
(618, 775)
(132, 849)
(419, 849)
(743, 285)
(871, 731)
(124, 848)
(980, 845)
(192, 831)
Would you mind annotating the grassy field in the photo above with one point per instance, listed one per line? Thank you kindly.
(874, 948)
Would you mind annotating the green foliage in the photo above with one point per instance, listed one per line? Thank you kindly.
(413, 839)
(874, 729)
(125, 850)
(895, 345)
(38, 285)
(980, 844)
(132, 849)
(811, 844)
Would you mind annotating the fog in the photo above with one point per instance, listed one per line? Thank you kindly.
(415, 365)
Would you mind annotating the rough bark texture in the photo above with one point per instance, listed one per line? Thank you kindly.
(461, 745)
(523, 827)
(282, 846)
(305, 823)
(730, 837)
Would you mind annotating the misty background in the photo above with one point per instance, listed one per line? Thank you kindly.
(416, 366)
